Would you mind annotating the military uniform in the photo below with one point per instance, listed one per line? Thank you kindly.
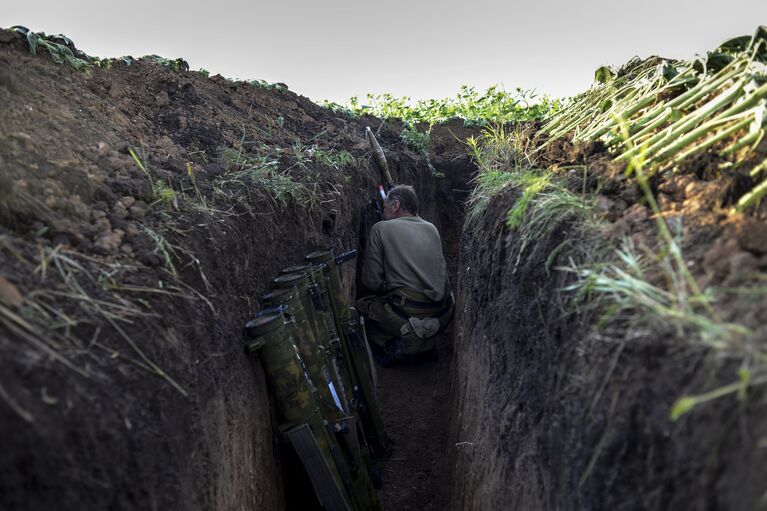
(405, 267)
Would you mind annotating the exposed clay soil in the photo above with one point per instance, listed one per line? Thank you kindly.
(109, 293)
(117, 292)
(416, 398)
(558, 409)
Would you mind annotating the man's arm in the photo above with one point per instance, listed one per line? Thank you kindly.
(372, 266)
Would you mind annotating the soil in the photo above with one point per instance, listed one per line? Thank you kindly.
(558, 408)
(416, 395)
(124, 383)
(415, 398)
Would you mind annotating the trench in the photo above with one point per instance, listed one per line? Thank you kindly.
(417, 397)
(109, 431)
(522, 410)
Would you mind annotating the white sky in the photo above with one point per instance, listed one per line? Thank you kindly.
(333, 49)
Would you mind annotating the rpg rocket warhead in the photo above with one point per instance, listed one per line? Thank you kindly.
(380, 159)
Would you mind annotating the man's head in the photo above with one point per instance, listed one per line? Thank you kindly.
(400, 201)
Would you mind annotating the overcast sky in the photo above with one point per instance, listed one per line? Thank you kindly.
(333, 49)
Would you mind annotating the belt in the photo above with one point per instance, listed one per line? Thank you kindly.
(401, 301)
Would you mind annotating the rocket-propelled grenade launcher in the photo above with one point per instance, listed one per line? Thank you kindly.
(315, 356)
(386, 182)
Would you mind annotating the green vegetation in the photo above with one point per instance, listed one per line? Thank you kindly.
(674, 111)
(621, 285)
(531, 183)
(261, 171)
(494, 106)
(654, 116)
(161, 192)
(174, 64)
(544, 201)
(263, 84)
(754, 197)
(57, 46)
(688, 403)
(284, 174)
(500, 156)
(332, 158)
(416, 139)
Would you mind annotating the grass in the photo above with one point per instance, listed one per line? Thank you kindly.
(632, 287)
(545, 204)
(333, 158)
(262, 170)
(500, 155)
(418, 141)
(531, 183)
(44, 324)
(286, 175)
(622, 286)
(161, 192)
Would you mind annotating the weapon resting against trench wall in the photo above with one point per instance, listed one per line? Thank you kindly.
(317, 361)
(386, 183)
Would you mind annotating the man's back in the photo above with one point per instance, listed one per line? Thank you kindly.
(405, 252)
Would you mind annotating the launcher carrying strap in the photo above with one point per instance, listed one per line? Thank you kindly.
(326, 486)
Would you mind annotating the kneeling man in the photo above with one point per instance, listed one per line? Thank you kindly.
(406, 270)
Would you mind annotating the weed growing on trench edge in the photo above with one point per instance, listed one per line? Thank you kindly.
(531, 183)
(415, 139)
(230, 155)
(262, 171)
(545, 204)
(418, 141)
(164, 194)
(263, 84)
(500, 155)
(53, 317)
(625, 285)
(332, 158)
(161, 192)
(57, 46)
(338, 108)
(174, 64)
(621, 285)
(279, 185)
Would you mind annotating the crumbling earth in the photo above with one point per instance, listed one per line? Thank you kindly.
(143, 211)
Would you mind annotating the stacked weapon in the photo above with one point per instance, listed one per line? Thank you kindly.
(316, 357)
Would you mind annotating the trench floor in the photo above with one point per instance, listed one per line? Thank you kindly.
(415, 399)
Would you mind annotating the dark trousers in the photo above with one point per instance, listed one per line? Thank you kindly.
(387, 317)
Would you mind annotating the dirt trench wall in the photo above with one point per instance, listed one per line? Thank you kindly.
(551, 416)
(118, 435)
